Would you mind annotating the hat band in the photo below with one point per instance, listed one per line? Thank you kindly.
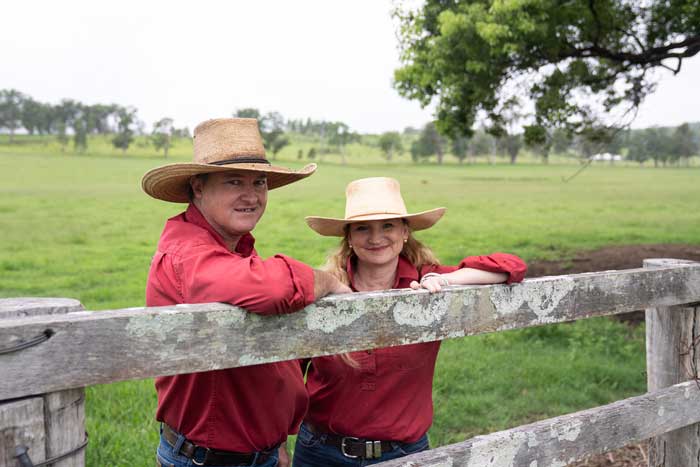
(242, 160)
(377, 213)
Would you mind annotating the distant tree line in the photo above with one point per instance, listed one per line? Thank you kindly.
(665, 146)
(71, 119)
(331, 137)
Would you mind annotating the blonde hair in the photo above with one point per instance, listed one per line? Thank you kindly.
(414, 251)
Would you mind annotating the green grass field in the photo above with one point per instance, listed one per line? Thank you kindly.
(79, 226)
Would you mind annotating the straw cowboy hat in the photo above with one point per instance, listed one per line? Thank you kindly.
(370, 199)
(219, 145)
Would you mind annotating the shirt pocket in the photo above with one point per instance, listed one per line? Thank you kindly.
(366, 361)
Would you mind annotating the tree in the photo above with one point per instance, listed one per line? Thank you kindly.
(64, 115)
(428, 143)
(480, 144)
(561, 141)
(339, 135)
(33, 116)
(538, 139)
(275, 140)
(80, 135)
(593, 141)
(125, 134)
(11, 102)
(685, 145)
(475, 56)
(460, 146)
(272, 130)
(249, 112)
(162, 135)
(637, 147)
(659, 144)
(390, 143)
(97, 117)
(512, 144)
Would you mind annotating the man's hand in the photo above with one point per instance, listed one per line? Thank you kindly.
(325, 283)
(339, 287)
(283, 456)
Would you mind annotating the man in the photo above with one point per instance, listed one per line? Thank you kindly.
(238, 416)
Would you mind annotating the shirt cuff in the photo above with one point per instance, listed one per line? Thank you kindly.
(303, 280)
(498, 262)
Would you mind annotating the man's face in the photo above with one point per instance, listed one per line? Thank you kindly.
(232, 202)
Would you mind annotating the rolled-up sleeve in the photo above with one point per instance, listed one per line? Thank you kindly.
(498, 262)
(275, 285)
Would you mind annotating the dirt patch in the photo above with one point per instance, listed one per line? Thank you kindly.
(604, 259)
(634, 455)
(613, 257)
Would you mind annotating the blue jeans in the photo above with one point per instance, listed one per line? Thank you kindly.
(169, 456)
(310, 451)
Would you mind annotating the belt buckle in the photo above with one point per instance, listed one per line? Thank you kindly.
(342, 446)
(373, 449)
(204, 459)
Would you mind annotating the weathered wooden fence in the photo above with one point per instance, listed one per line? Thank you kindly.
(50, 349)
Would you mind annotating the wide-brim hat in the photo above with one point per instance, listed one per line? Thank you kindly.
(220, 145)
(370, 199)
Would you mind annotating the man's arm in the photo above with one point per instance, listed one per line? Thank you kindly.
(325, 283)
(277, 285)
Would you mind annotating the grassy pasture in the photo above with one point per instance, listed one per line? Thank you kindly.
(78, 226)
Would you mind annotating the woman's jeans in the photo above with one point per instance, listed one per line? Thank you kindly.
(169, 456)
(310, 451)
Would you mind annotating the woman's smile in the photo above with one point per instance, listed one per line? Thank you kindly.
(376, 248)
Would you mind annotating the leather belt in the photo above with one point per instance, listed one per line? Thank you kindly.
(212, 456)
(352, 447)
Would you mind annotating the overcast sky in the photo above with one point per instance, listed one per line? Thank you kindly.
(192, 61)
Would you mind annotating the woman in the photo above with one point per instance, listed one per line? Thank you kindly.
(375, 405)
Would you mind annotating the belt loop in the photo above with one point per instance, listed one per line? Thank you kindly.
(178, 444)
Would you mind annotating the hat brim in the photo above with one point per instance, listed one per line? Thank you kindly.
(171, 182)
(333, 227)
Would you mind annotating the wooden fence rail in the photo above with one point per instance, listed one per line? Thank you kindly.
(565, 439)
(81, 348)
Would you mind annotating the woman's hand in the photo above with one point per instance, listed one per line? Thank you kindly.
(432, 281)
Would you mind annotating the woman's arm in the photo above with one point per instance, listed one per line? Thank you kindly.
(491, 269)
(464, 276)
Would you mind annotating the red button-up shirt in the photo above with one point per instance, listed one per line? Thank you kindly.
(389, 395)
(241, 409)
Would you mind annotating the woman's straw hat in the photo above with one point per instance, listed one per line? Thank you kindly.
(371, 199)
(219, 145)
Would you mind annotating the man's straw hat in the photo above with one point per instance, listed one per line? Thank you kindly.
(219, 145)
(371, 199)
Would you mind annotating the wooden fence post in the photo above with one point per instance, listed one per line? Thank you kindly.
(673, 344)
(49, 425)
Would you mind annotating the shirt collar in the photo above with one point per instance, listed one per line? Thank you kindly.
(405, 271)
(245, 245)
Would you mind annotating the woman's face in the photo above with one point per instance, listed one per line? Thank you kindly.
(377, 242)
